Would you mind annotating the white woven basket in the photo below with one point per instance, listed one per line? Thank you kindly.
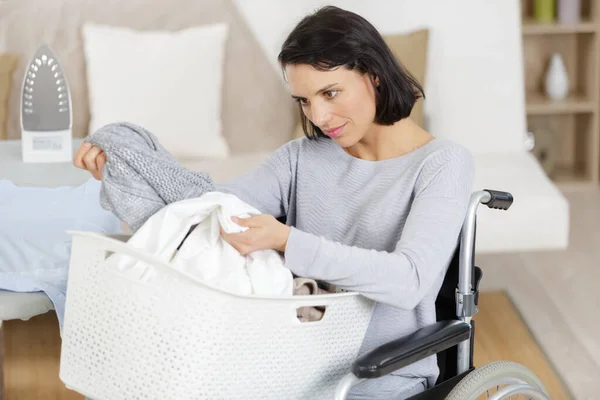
(180, 339)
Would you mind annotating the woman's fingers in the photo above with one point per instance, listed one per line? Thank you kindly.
(254, 221)
(81, 151)
(241, 241)
(90, 162)
(90, 158)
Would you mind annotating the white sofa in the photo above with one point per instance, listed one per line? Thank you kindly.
(474, 88)
(539, 217)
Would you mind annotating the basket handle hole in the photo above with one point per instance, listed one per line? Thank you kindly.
(107, 254)
(309, 314)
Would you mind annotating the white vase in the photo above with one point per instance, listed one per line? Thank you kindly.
(557, 80)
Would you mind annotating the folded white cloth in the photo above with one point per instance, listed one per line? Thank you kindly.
(204, 254)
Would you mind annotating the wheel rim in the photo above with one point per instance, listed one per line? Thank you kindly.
(527, 391)
(508, 389)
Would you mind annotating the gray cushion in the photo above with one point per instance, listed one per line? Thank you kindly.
(23, 306)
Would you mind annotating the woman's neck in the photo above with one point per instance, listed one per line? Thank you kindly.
(385, 142)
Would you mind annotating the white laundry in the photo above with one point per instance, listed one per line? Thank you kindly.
(204, 254)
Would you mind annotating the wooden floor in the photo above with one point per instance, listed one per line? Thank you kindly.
(500, 334)
(32, 351)
(31, 360)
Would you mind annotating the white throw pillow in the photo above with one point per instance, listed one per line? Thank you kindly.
(167, 82)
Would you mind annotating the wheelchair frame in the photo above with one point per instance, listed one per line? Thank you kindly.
(452, 336)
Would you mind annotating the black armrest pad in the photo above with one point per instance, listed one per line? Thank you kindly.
(411, 348)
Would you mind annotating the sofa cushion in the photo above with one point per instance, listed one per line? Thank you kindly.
(539, 216)
(168, 82)
(8, 63)
(258, 112)
(411, 51)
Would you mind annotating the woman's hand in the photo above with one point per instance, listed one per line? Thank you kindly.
(90, 158)
(265, 232)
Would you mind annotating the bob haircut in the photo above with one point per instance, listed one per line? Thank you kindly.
(332, 37)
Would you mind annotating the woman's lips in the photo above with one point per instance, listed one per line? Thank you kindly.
(335, 132)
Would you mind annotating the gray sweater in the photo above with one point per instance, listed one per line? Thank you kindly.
(386, 229)
(140, 176)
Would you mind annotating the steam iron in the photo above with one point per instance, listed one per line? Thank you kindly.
(46, 116)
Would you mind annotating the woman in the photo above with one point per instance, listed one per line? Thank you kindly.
(373, 202)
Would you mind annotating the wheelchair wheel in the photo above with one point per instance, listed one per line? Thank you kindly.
(499, 380)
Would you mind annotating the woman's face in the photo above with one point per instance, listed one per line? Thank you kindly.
(340, 102)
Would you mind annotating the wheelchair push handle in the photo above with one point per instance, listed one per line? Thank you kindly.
(498, 199)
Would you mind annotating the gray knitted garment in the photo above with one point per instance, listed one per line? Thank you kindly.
(140, 176)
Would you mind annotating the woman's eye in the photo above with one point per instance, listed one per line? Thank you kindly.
(302, 101)
(330, 94)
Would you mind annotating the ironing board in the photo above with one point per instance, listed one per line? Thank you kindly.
(27, 305)
(24, 306)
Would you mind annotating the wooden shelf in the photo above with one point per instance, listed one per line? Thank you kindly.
(531, 27)
(539, 104)
(568, 130)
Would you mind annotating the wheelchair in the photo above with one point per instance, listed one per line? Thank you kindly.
(452, 336)
(169, 336)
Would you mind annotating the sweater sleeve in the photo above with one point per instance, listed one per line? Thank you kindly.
(429, 238)
(268, 186)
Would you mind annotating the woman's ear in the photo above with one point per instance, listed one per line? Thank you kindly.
(375, 80)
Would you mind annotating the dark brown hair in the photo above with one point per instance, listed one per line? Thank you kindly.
(332, 37)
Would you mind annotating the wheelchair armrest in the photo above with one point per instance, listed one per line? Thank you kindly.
(401, 352)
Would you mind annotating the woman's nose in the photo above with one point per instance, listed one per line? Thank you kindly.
(321, 116)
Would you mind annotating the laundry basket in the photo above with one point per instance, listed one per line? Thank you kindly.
(175, 338)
